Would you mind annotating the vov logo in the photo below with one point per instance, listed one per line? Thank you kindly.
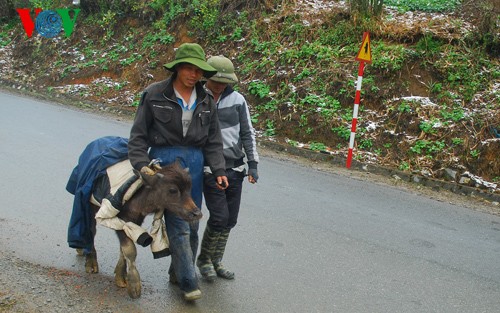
(48, 23)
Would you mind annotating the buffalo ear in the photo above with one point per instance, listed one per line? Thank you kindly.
(178, 164)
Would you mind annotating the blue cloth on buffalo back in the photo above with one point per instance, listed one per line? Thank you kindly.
(93, 162)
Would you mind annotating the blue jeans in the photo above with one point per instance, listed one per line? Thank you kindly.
(183, 236)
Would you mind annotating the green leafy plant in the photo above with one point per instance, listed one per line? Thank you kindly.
(269, 106)
(343, 132)
(259, 88)
(270, 129)
(303, 120)
(464, 77)
(5, 29)
(404, 107)
(317, 146)
(161, 37)
(427, 147)
(221, 38)
(325, 105)
(429, 127)
(475, 153)
(365, 144)
(436, 87)
(428, 45)
(456, 114)
(255, 118)
(390, 57)
(304, 74)
(237, 34)
(131, 59)
(108, 22)
(171, 11)
(44, 4)
(404, 166)
(424, 5)
(137, 99)
(159, 5)
(204, 14)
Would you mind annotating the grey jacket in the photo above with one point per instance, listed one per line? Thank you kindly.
(238, 133)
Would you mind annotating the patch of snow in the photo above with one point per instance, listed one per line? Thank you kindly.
(479, 181)
(425, 101)
(72, 88)
(367, 157)
(488, 141)
(429, 22)
(107, 81)
(371, 126)
(318, 5)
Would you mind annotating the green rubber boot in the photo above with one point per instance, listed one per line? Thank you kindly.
(204, 261)
(219, 253)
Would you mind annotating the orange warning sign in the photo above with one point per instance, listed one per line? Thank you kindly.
(365, 53)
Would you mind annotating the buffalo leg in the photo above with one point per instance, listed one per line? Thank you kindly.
(91, 265)
(129, 252)
(121, 271)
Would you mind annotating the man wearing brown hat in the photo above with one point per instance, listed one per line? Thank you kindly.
(177, 121)
(238, 136)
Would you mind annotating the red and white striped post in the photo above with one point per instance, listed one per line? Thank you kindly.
(355, 113)
(364, 56)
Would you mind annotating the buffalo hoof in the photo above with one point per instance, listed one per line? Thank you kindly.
(121, 274)
(120, 281)
(134, 284)
(91, 265)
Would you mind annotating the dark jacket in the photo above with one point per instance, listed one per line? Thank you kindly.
(158, 123)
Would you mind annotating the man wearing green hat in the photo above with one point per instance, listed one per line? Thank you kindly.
(177, 121)
(238, 136)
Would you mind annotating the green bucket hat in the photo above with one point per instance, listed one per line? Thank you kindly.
(225, 70)
(191, 53)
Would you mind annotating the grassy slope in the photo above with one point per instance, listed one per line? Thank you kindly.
(296, 66)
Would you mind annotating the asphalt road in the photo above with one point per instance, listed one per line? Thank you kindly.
(307, 240)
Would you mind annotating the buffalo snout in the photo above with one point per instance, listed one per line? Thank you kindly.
(195, 214)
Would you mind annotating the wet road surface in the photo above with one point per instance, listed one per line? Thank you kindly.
(306, 241)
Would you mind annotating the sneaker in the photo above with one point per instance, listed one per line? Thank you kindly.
(192, 295)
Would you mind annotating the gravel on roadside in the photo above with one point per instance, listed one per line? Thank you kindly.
(31, 288)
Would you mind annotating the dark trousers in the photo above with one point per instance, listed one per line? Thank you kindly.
(223, 205)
